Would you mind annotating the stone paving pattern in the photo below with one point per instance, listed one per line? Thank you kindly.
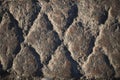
(59, 39)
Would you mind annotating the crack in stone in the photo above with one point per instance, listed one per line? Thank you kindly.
(108, 62)
(103, 18)
(74, 69)
(18, 48)
(91, 45)
(37, 57)
(34, 17)
(20, 36)
(75, 73)
(51, 28)
(108, 59)
(73, 13)
(47, 19)
(93, 39)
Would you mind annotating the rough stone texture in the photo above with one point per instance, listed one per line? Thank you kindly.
(43, 38)
(98, 65)
(59, 39)
(25, 63)
(9, 42)
(79, 42)
(59, 66)
(26, 14)
(62, 15)
(110, 39)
